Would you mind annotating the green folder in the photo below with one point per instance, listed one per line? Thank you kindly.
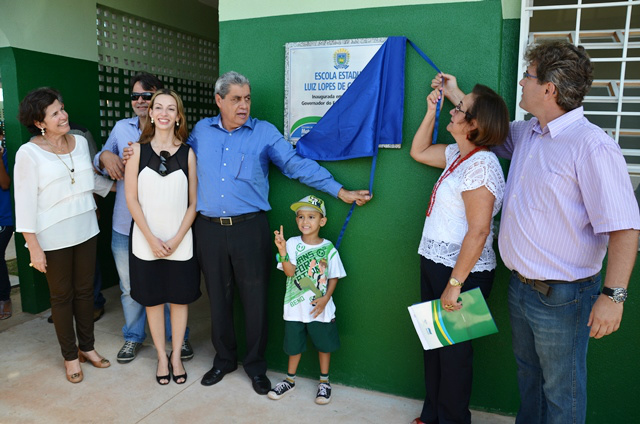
(437, 327)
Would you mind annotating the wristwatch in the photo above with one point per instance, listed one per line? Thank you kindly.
(617, 294)
(455, 283)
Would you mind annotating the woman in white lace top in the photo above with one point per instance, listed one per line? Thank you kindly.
(457, 240)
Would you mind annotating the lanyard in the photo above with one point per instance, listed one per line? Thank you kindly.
(456, 163)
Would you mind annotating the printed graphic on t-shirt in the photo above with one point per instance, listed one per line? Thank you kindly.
(314, 265)
(310, 276)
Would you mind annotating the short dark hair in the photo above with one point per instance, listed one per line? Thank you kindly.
(491, 115)
(148, 81)
(34, 105)
(567, 66)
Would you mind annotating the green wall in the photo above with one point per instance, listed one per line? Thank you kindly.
(22, 71)
(380, 349)
(38, 49)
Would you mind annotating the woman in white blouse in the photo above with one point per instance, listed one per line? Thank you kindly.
(457, 240)
(55, 212)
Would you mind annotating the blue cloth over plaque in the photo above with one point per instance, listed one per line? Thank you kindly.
(368, 114)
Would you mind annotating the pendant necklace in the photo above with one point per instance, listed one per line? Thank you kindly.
(71, 170)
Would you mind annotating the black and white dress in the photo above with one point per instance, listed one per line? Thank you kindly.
(164, 202)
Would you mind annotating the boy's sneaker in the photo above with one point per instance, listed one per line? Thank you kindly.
(281, 389)
(324, 394)
(128, 352)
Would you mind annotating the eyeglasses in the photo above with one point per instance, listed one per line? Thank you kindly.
(526, 74)
(162, 169)
(147, 95)
(458, 108)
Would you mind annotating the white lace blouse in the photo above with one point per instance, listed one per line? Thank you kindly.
(446, 227)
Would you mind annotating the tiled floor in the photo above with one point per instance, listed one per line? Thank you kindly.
(34, 388)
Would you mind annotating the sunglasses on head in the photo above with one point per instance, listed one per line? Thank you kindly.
(162, 169)
(145, 96)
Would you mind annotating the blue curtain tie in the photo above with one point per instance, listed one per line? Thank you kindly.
(379, 123)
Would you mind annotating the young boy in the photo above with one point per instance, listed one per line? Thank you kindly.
(312, 266)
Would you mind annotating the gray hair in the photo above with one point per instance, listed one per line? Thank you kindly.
(230, 78)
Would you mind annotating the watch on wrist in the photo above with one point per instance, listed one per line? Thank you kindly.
(455, 283)
(617, 294)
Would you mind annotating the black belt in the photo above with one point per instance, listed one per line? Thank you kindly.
(543, 286)
(230, 220)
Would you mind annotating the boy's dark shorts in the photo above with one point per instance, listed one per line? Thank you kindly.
(324, 336)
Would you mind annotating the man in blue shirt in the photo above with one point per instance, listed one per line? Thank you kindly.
(232, 232)
(125, 132)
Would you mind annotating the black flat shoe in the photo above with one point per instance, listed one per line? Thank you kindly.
(261, 384)
(161, 378)
(181, 376)
(214, 375)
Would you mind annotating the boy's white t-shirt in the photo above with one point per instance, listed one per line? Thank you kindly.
(310, 279)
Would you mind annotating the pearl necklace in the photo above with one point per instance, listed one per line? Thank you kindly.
(71, 170)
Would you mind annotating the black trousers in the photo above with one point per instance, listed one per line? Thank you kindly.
(239, 254)
(448, 371)
(70, 278)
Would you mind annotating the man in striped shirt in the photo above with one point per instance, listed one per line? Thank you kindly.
(568, 194)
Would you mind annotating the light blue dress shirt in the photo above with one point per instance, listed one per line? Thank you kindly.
(123, 132)
(233, 167)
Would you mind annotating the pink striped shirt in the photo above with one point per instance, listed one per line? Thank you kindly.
(567, 188)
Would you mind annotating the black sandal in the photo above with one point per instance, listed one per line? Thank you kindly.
(166, 378)
(178, 377)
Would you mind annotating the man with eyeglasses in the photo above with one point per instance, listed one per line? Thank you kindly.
(568, 194)
(109, 161)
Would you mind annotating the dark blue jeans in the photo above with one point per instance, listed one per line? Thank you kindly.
(550, 338)
(5, 285)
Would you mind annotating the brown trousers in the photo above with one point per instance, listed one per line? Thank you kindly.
(70, 277)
